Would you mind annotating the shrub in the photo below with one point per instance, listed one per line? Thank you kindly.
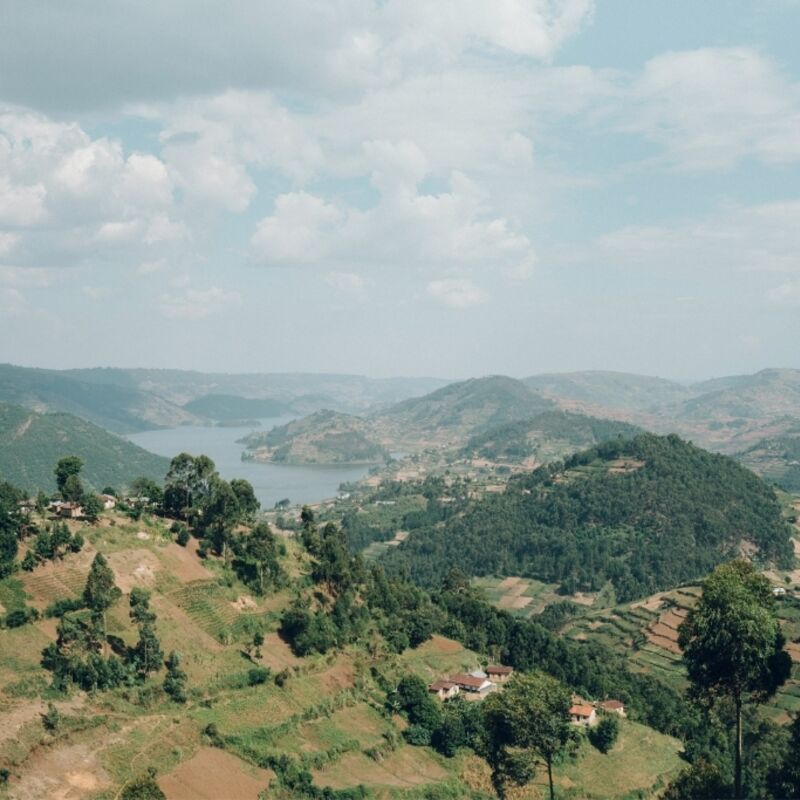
(257, 676)
(417, 735)
(605, 733)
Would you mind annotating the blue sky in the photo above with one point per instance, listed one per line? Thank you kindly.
(400, 187)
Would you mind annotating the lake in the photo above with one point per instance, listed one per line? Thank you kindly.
(271, 482)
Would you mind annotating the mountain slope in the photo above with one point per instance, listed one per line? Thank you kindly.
(776, 459)
(117, 408)
(611, 389)
(325, 437)
(462, 409)
(31, 444)
(547, 436)
(646, 514)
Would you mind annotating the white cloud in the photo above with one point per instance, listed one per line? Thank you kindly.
(711, 107)
(347, 283)
(456, 293)
(198, 303)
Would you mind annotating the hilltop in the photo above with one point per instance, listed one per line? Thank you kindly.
(459, 410)
(644, 514)
(325, 437)
(31, 444)
(118, 408)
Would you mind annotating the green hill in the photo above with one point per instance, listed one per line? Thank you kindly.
(546, 437)
(461, 409)
(611, 389)
(230, 407)
(776, 459)
(325, 437)
(122, 409)
(31, 444)
(645, 514)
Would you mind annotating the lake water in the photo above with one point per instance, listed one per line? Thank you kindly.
(271, 482)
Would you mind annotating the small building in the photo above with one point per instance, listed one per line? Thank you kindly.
(70, 510)
(469, 683)
(55, 506)
(779, 591)
(582, 715)
(443, 689)
(26, 507)
(108, 501)
(478, 673)
(498, 673)
(613, 707)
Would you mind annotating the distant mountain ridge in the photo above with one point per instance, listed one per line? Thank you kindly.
(229, 407)
(32, 443)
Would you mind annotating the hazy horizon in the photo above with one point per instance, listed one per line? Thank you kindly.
(401, 188)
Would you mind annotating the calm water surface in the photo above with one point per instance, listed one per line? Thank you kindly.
(271, 482)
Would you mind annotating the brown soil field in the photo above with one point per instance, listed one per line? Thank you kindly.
(183, 562)
(134, 568)
(63, 773)
(29, 711)
(404, 768)
(57, 579)
(508, 583)
(673, 618)
(213, 774)
(521, 602)
(664, 642)
(652, 603)
(277, 655)
(441, 645)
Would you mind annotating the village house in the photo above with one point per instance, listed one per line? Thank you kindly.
(779, 591)
(70, 510)
(443, 689)
(498, 673)
(470, 683)
(108, 501)
(613, 707)
(582, 715)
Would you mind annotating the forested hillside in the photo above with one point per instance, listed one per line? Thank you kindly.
(646, 514)
(776, 459)
(230, 407)
(547, 436)
(31, 444)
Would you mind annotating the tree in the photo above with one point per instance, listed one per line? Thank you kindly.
(732, 644)
(67, 467)
(175, 679)
(528, 720)
(605, 733)
(147, 654)
(72, 490)
(143, 788)
(415, 699)
(92, 507)
(100, 591)
(10, 524)
(246, 498)
(51, 718)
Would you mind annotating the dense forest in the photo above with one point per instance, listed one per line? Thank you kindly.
(646, 514)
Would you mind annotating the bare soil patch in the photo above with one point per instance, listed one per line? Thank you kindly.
(183, 562)
(244, 603)
(508, 583)
(213, 774)
(277, 654)
(134, 568)
(652, 603)
(664, 642)
(441, 645)
(63, 773)
(521, 602)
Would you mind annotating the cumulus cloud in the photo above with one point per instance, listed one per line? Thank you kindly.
(198, 303)
(711, 107)
(456, 293)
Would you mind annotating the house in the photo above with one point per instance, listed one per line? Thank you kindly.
(108, 501)
(469, 683)
(612, 707)
(443, 689)
(498, 673)
(55, 506)
(779, 591)
(26, 507)
(478, 673)
(582, 715)
(70, 510)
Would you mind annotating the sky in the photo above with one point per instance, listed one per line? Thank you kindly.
(400, 187)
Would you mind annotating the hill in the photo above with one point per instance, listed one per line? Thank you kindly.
(459, 410)
(644, 514)
(31, 444)
(229, 407)
(619, 390)
(776, 459)
(547, 437)
(303, 391)
(325, 437)
(122, 409)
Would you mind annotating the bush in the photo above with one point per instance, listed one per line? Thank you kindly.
(605, 733)
(143, 788)
(63, 606)
(20, 616)
(257, 676)
(183, 537)
(417, 735)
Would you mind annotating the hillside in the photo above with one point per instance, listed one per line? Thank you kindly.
(645, 514)
(31, 444)
(230, 408)
(118, 408)
(776, 459)
(619, 390)
(546, 437)
(325, 437)
(267, 721)
(459, 410)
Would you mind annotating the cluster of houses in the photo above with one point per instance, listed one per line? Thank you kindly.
(66, 509)
(476, 683)
(584, 713)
